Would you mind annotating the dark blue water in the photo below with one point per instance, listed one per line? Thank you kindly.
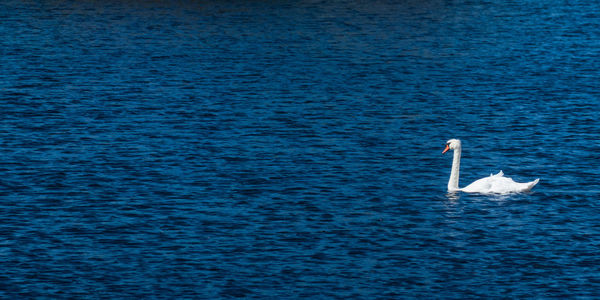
(292, 149)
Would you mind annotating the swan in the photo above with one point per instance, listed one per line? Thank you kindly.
(494, 184)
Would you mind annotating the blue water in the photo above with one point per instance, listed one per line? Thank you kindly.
(292, 149)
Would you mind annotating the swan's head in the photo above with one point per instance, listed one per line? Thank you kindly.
(451, 145)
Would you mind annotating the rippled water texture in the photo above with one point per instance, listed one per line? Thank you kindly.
(275, 149)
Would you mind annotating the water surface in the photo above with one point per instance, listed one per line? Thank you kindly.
(281, 149)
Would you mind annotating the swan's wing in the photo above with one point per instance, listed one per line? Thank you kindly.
(482, 185)
(498, 184)
(504, 185)
(499, 174)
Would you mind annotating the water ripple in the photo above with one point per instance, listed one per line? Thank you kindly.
(293, 150)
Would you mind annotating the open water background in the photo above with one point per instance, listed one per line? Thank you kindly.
(292, 149)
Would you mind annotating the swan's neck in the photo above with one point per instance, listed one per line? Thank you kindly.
(453, 182)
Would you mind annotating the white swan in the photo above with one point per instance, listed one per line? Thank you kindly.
(495, 184)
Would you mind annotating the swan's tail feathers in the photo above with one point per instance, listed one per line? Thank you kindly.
(530, 185)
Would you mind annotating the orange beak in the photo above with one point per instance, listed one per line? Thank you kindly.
(446, 149)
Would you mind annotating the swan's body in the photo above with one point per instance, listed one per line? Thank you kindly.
(494, 184)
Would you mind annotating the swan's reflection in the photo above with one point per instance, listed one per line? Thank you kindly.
(452, 206)
(453, 196)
